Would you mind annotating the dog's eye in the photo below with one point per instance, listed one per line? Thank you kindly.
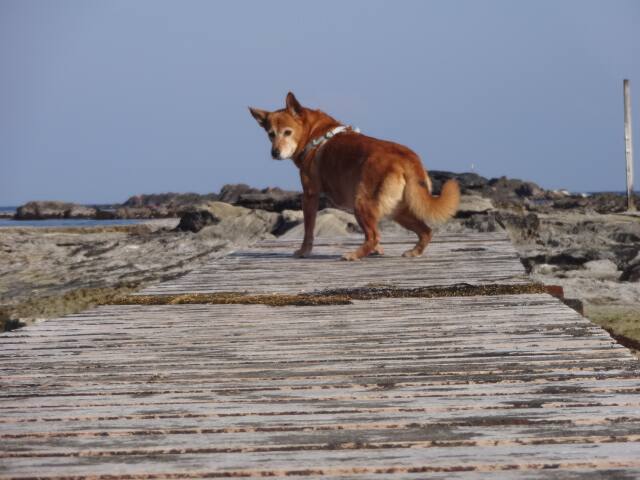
(287, 132)
(272, 134)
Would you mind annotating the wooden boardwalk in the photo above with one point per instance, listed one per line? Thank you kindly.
(489, 386)
(475, 259)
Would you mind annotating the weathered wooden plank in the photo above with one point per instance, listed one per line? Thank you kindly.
(504, 425)
(259, 439)
(331, 461)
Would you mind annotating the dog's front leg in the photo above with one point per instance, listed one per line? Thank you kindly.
(310, 202)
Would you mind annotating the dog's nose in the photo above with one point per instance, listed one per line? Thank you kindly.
(275, 153)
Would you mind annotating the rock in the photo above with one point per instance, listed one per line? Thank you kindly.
(288, 219)
(603, 269)
(255, 225)
(483, 222)
(570, 203)
(211, 213)
(144, 212)
(573, 257)
(514, 193)
(224, 221)
(507, 192)
(608, 202)
(521, 226)
(196, 219)
(230, 193)
(627, 237)
(597, 202)
(469, 182)
(543, 269)
(624, 254)
(271, 200)
(563, 260)
(105, 214)
(80, 211)
(472, 204)
(171, 201)
(330, 222)
(161, 205)
(552, 194)
(528, 189)
(632, 272)
(46, 273)
(51, 209)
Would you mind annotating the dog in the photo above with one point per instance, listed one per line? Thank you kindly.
(372, 178)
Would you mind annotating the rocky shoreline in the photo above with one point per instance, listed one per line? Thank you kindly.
(163, 205)
(505, 193)
(586, 244)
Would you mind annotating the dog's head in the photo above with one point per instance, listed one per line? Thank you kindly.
(285, 127)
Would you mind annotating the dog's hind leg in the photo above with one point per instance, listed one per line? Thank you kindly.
(367, 215)
(409, 221)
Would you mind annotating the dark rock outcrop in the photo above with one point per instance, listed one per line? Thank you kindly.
(512, 192)
(53, 210)
(195, 219)
(520, 225)
(469, 182)
(287, 220)
(632, 272)
(609, 202)
(144, 212)
(170, 200)
(105, 214)
(161, 205)
(229, 222)
(231, 192)
(271, 200)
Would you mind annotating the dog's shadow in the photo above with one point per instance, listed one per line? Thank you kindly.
(287, 256)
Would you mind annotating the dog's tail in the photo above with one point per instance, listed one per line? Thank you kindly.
(429, 208)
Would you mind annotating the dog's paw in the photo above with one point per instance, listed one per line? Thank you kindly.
(378, 250)
(302, 253)
(412, 253)
(351, 256)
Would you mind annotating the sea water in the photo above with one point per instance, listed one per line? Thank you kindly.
(62, 222)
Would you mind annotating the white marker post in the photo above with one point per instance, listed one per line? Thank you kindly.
(628, 144)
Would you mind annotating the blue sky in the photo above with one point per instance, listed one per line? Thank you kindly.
(100, 100)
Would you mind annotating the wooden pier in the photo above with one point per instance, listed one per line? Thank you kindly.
(438, 367)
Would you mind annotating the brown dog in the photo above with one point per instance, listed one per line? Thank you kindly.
(373, 178)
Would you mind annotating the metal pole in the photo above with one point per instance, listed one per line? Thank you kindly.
(628, 144)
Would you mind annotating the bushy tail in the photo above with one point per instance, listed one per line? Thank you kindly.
(429, 208)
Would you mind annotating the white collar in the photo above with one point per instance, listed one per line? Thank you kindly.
(322, 139)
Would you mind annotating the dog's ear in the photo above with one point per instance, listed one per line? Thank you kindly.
(293, 105)
(260, 116)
